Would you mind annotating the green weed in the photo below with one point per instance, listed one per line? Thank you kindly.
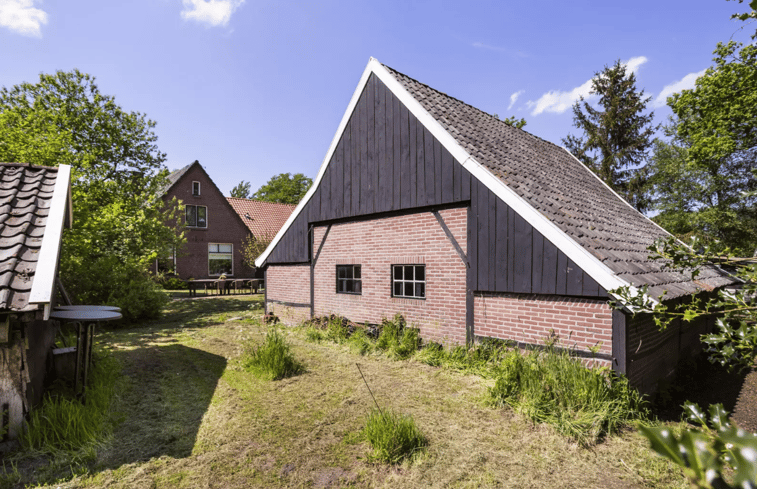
(398, 340)
(359, 342)
(551, 386)
(63, 423)
(480, 359)
(392, 436)
(313, 334)
(273, 359)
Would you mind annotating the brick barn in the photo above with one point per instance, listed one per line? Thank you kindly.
(471, 228)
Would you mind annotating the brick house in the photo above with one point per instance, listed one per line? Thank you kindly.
(216, 226)
(35, 206)
(471, 228)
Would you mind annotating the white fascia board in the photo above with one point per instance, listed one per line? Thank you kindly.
(301, 205)
(580, 256)
(47, 262)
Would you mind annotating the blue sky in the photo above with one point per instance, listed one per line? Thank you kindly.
(255, 88)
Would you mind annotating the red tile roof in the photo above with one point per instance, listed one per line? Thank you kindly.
(261, 218)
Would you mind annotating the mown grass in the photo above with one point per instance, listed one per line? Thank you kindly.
(194, 417)
(547, 386)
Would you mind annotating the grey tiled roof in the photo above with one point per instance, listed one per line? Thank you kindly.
(174, 177)
(25, 196)
(563, 190)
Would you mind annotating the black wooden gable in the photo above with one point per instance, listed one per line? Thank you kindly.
(387, 161)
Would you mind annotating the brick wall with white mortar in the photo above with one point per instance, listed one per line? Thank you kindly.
(376, 245)
(289, 284)
(578, 323)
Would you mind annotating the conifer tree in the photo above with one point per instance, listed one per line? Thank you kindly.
(617, 133)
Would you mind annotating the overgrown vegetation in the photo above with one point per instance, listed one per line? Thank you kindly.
(547, 386)
(68, 429)
(392, 436)
(551, 386)
(272, 359)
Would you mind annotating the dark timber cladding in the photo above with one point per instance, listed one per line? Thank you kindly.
(387, 161)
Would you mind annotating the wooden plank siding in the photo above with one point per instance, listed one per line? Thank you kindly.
(387, 161)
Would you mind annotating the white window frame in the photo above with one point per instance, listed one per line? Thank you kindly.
(230, 255)
(196, 225)
(198, 189)
(405, 280)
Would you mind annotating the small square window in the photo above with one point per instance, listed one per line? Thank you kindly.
(196, 188)
(348, 279)
(409, 281)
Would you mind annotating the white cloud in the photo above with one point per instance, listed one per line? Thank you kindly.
(212, 12)
(558, 102)
(21, 16)
(514, 98)
(685, 83)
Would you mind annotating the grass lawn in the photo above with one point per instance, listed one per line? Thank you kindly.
(191, 417)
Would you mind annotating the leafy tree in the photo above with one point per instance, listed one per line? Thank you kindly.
(617, 135)
(242, 190)
(118, 173)
(705, 173)
(751, 15)
(284, 188)
(254, 246)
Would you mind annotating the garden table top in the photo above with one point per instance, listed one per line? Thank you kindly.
(85, 315)
(88, 308)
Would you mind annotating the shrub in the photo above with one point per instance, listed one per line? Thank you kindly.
(553, 387)
(392, 436)
(273, 359)
(172, 283)
(110, 280)
(64, 423)
(360, 342)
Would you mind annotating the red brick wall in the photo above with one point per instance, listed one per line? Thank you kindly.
(529, 318)
(224, 226)
(378, 244)
(289, 284)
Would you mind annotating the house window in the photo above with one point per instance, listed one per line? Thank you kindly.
(197, 216)
(220, 259)
(348, 279)
(196, 188)
(409, 281)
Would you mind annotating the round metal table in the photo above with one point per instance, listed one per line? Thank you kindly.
(86, 316)
(88, 308)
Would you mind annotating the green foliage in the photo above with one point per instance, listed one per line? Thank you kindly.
(118, 171)
(242, 190)
(618, 135)
(360, 342)
(752, 15)
(117, 282)
(63, 423)
(254, 246)
(704, 452)
(273, 359)
(481, 359)
(398, 340)
(516, 123)
(392, 436)
(172, 283)
(705, 178)
(284, 188)
(551, 386)
(734, 342)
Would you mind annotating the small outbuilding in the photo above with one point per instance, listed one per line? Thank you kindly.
(35, 206)
(471, 228)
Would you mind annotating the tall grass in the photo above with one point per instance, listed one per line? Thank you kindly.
(273, 359)
(481, 359)
(393, 436)
(551, 386)
(64, 423)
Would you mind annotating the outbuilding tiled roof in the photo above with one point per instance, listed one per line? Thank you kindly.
(561, 188)
(26, 193)
(261, 218)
